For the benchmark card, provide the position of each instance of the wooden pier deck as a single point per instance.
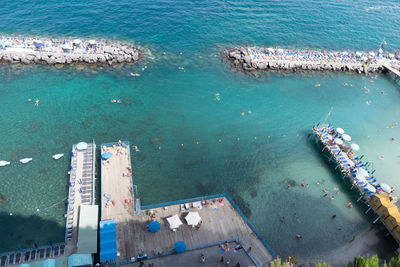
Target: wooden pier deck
(218, 224)
(116, 181)
(81, 191)
(391, 69)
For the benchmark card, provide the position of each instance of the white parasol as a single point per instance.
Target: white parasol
(193, 218)
(338, 141)
(174, 222)
(370, 188)
(355, 147)
(340, 130)
(346, 137)
(386, 188)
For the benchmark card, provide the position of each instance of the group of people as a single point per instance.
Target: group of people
(322, 56)
(51, 45)
(226, 248)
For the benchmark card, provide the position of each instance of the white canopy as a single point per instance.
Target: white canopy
(391, 55)
(363, 172)
(193, 218)
(346, 137)
(386, 188)
(174, 222)
(345, 53)
(92, 42)
(371, 188)
(355, 147)
(372, 54)
(338, 141)
(364, 58)
(81, 146)
(77, 41)
(280, 50)
(340, 130)
(361, 177)
(271, 49)
(358, 54)
(66, 47)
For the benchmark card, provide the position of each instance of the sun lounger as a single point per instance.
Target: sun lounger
(187, 206)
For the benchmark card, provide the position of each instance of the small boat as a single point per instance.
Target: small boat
(57, 156)
(135, 74)
(4, 163)
(25, 160)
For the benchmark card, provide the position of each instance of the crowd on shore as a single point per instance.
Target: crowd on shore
(317, 56)
(76, 46)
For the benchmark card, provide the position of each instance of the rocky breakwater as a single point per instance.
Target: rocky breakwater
(69, 52)
(250, 59)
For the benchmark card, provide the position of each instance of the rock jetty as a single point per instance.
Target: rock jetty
(66, 51)
(250, 59)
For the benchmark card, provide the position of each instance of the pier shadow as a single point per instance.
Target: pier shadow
(24, 231)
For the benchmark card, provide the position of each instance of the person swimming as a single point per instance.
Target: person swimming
(37, 102)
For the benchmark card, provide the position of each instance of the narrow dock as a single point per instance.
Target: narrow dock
(377, 196)
(391, 69)
(81, 189)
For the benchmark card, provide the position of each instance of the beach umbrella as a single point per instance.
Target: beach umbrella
(154, 226)
(386, 188)
(391, 55)
(82, 146)
(66, 47)
(340, 130)
(345, 53)
(355, 147)
(270, 49)
(346, 137)
(174, 222)
(77, 41)
(7, 43)
(364, 58)
(380, 50)
(370, 188)
(361, 178)
(371, 54)
(106, 155)
(193, 218)
(180, 247)
(338, 141)
(363, 172)
(280, 50)
(358, 54)
(92, 42)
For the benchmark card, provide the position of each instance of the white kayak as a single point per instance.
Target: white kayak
(58, 156)
(4, 163)
(25, 160)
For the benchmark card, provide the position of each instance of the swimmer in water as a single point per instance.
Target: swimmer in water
(249, 112)
(37, 102)
(318, 85)
(368, 102)
(242, 113)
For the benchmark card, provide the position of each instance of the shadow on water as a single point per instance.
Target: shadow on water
(21, 231)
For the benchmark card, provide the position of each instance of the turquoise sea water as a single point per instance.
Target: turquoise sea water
(247, 156)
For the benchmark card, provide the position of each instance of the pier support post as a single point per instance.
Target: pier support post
(368, 210)
(377, 219)
(358, 200)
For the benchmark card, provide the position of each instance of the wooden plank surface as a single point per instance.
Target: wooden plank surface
(220, 224)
